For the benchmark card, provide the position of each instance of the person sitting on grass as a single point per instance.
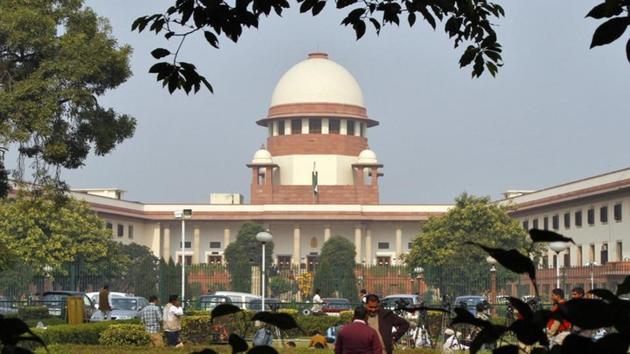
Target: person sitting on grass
(318, 341)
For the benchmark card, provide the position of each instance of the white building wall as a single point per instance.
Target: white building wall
(331, 169)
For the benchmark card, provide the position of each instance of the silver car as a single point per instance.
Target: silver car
(123, 308)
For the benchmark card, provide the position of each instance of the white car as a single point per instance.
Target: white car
(241, 300)
(94, 296)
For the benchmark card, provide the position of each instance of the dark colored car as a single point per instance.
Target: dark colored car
(333, 306)
(470, 302)
(271, 304)
(6, 306)
(56, 301)
(208, 302)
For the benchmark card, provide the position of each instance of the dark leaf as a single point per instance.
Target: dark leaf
(624, 287)
(205, 351)
(206, 83)
(262, 349)
(427, 16)
(521, 307)
(376, 24)
(512, 259)
(237, 343)
(169, 34)
(307, 5)
(411, 18)
(160, 53)
(468, 56)
(547, 236)
(539, 350)
(577, 344)
(318, 7)
(489, 334)
(211, 38)
(628, 50)
(139, 21)
(609, 31)
(506, 349)
(284, 321)
(528, 332)
(604, 10)
(604, 294)
(343, 3)
(222, 309)
(464, 316)
(612, 343)
(588, 313)
(359, 28)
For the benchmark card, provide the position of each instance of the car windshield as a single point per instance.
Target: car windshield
(212, 299)
(122, 303)
(469, 301)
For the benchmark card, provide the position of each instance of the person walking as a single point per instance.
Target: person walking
(150, 317)
(317, 302)
(357, 337)
(389, 326)
(105, 302)
(172, 324)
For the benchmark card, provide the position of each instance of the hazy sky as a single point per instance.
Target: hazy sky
(557, 111)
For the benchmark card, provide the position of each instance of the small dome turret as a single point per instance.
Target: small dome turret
(367, 157)
(262, 156)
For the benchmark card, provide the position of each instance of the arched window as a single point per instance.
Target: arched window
(313, 242)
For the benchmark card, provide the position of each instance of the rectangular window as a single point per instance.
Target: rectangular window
(409, 245)
(215, 244)
(350, 128)
(312, 261)
(187, 244)
(603, 254)
(187, 258)
(296, 126)
(603, 214)
(314, 126)
(578, 218)
(567, 220)
(546, 223)
(567, 259)
(579, 256)
(383, 245)
(526, 225)
(130, 231)
(591, 253)
(121, 230)
(545, 261)
(215, 260)
(619, 252)
(333, 126)
(555, 222)
(109, 226)
(617, 212)
(555, 261)
(281, 127)
(535, 224)
(590, 216)
(284, 262)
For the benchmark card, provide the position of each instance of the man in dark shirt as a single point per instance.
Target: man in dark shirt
(384, 322)
(357, 337)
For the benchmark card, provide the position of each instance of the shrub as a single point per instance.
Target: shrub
(124, 334)
(346, 316)
(33, 312)
(86, 333)
(292, 312)
(196, 329)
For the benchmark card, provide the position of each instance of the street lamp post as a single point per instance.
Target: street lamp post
(419, 272)
(263, 237)
(558, 247)
(183, 215)
(591, 265)
(493, 279)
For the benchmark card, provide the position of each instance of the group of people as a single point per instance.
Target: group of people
(153, 319)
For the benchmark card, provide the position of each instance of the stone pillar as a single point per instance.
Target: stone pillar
(399, 249)
(167, 244)
(156, 244)
(357, 243)
(326, 232)
(325, 126)
(196, 241)
(226, 237)
(305, 126)
(296, 245)
(255, 281)
(368, 246)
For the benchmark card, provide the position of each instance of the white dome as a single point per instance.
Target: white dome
(367, 157)
(262, 156)
(317, 80)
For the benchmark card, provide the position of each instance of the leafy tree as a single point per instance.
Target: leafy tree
(280, 285)
(42, 228)
(449, 263)
(170, 279)
(140, 273)
(244, 253)
(335, 272)
(56, 59)
(465, 21)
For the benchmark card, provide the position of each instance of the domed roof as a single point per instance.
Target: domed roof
(317, 80)
(367, 157)
(262, 156)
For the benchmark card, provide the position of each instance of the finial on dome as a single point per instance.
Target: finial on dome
(262, 146)
(318, 55)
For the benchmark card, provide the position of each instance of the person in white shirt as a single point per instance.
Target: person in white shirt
(317, 302)
(171, 318)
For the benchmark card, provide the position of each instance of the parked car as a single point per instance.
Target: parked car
(123, 308)
(7, 306)
(241, 300)
(94, 296)
(332, 306)
(208, 302)
(396, 302)
(271, 304)
(470, 302)
(56, 301)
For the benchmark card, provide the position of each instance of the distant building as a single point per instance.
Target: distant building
(315, 177)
